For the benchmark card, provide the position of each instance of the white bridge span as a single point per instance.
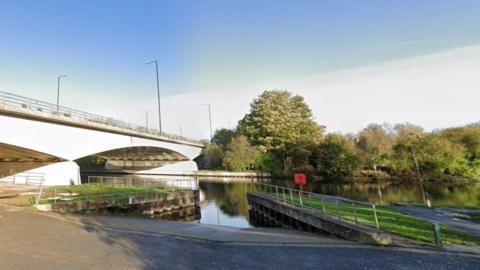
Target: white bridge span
(38, 137)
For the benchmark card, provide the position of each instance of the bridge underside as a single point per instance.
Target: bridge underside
(58, 171)
(140, 158)
(14, 159)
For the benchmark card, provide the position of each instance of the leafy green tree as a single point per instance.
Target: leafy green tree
(409, 139)
(281, 124)
(469, 138)
(211, 157)
(268, 162)
(438, 156)
(336, 157)
(223, 137)
(375, 145)
(240, 155)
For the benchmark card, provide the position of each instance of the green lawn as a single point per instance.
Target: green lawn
(389, 220)
(97, 191)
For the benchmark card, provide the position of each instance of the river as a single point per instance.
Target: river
(225, 203)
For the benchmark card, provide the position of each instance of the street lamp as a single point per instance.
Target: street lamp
(58, 91)
(158, 95)
(146, 119)
(210, 120)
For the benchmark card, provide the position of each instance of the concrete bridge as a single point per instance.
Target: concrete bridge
(39, 137)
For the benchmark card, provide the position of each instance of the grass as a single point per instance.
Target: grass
(389, 220)
(470, 217)
(98, 191)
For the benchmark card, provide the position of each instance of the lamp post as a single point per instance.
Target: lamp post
(158, 96)
(58, 91)
(210, 120)
(146, 119)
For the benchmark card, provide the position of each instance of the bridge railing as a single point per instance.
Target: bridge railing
(38, 107)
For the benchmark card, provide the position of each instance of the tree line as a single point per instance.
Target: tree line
(279, 135)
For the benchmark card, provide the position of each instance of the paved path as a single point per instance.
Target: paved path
(31, 240)
(443, 217)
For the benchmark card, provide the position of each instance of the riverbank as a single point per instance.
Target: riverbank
(91, 242)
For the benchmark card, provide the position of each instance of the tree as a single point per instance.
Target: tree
(240, 155)
(375, 145)
(408, 145)
(336, 157)
(438, 156)
(223, 137)
(211, 157)
(281, 124)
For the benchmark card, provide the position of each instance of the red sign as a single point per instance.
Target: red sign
(300, 179)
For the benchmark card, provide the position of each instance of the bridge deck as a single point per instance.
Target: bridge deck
(32, 109)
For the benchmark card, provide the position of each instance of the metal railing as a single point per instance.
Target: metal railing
(119, 188)
(357, 212)
(123, 181)
(352, 211)
(25, 178)
(36, 107)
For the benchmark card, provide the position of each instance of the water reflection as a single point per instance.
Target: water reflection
(224, 204)
(386, 193)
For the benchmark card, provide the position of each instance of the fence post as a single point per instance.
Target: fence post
(375, 215)
(284, 198)
(355, 213)
(323, 206)
(54, 195)
(437, 234)
(300, 198)
(291, 196)
(276, 191)
(337, 208)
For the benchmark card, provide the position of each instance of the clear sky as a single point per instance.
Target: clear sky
(204, 46)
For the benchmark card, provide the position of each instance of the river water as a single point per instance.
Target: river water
(225, 203)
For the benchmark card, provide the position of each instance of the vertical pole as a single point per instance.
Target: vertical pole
(58, 94)
(355, 213)
(158, 96)
(300, 197)
(284, 199)
(210, 120)
(337, 208)
(291, 196)
(323, 206)
(146, 119)
(54, 195)
(375, 216)
(276, 191)
(437, 234)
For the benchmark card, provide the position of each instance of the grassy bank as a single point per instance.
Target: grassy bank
(84, 192)
(389, 220)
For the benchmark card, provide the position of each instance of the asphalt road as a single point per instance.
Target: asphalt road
(443, 216)
(30, 240)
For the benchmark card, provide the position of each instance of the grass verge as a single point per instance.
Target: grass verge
(389, 220)
(84, 192)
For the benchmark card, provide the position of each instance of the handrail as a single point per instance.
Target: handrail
(36, 107)
(278, 193)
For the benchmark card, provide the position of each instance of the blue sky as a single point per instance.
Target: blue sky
(211, 45)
